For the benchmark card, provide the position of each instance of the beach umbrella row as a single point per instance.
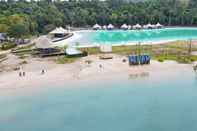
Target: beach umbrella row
(125, 26)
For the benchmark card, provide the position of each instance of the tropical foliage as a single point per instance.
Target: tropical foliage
(19, 18)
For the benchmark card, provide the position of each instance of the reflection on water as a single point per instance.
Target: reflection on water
(138, 75)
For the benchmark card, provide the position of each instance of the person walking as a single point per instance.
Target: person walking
(23, 73)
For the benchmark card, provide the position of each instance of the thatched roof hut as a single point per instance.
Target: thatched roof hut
(43, 43)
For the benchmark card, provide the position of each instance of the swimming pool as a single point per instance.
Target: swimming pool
(120, 37)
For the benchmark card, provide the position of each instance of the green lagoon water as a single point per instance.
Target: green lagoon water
(115, 37)
(157, 102)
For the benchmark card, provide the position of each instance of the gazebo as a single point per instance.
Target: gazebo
(137, 26)
(59, 32)
(110, 27)
(124, 27)
(96, 27)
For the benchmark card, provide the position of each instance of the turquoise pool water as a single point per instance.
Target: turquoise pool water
(117, 37)
(140, 104)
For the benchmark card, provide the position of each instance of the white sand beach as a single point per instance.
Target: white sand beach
(75, 72)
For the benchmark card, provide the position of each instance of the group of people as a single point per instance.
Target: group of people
(22, 74)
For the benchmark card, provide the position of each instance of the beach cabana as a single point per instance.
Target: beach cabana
(110, 27)
(158, 25)
(137, 26)
(96, 27)
(124, 27)
(59, 32)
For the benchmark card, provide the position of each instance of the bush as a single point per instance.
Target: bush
(7, 46)
(66, 59)
(161, 59)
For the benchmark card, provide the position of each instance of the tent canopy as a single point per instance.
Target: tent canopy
(110, 26)
(96, 26)
(137, 26)
(158, 25)
(124, 26)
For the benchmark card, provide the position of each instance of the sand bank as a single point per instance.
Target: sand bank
(78, 71)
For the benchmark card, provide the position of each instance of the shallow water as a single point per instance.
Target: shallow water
(132, 36)
(156, 102)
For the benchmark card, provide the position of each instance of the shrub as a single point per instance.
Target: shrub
(7, 46)
(161, 59)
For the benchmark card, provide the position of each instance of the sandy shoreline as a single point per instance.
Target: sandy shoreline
(79, 71)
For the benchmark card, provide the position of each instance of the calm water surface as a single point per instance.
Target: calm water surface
(137, 104)
(132, 36)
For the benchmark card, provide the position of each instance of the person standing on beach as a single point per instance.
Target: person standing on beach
(42, 72)
(23, 73)
(20, 74)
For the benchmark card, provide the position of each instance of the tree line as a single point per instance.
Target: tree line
(21, 18)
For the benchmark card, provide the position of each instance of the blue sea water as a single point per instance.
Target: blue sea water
(157, 102)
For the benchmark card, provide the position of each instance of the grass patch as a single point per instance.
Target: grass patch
(66, 59)
(8, 45)
(91, 50)
(26, 47)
